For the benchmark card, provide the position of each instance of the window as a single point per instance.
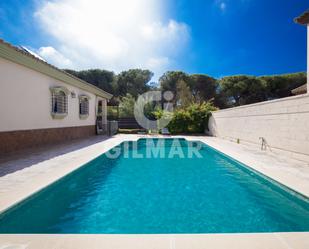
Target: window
(59, 102)
(100, 108)
(83, 106)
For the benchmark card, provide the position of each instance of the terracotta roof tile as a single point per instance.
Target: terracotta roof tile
(303, 18)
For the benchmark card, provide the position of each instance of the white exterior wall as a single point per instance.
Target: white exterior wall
(284, 123)
(25, 100)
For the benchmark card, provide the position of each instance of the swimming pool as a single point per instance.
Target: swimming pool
(160, 186)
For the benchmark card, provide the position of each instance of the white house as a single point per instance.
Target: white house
(41, 104)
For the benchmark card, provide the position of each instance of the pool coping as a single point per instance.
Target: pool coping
(75, 159)
(157, 241)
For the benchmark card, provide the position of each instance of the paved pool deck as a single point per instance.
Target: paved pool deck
(27, 172)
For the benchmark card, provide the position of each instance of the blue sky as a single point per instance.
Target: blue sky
(215, 37)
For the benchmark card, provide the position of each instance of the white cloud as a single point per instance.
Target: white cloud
(223, 6)
(115, 35)
(157, 62)
(54, 57)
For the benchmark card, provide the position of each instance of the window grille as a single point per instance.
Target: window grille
(60, 102)
(59, 107)
(83, 106)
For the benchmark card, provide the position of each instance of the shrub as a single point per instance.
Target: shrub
(192, 119)
(180, 122)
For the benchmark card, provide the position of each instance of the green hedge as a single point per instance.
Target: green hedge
(192, 119)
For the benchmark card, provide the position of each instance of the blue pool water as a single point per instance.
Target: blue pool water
(212, 194)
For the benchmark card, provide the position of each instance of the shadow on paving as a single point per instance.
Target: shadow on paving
(12, 162)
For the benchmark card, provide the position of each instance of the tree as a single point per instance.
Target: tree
(280, 86)
(100, 78)
(226, 92)
(203, 87)
(126, 106)
(133, 82)
(168, 81)
(244, 89)
(221, 100)
(184, 96)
